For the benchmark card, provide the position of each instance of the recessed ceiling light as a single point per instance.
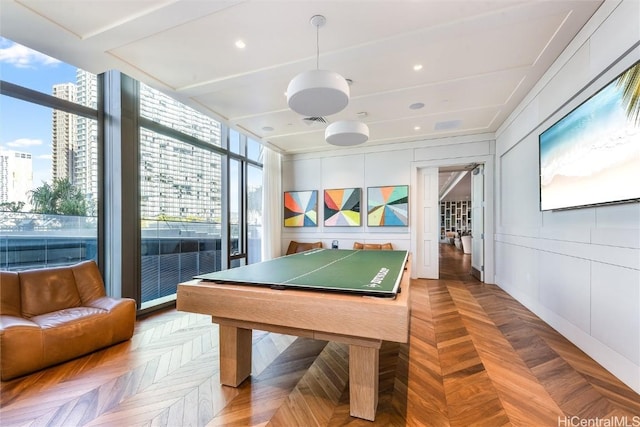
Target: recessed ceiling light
(416, 128)
(416, 105)
(267, 128)
(240, 44)
(417, 67)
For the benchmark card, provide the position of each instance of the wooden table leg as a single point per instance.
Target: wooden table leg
(363, 381)
(235, 355)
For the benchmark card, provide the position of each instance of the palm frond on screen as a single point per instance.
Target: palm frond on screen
(630, 83)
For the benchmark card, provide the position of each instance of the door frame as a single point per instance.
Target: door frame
(489, 230)
(477, 212)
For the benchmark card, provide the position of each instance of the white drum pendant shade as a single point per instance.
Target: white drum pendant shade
(318, 93)
(346, 132)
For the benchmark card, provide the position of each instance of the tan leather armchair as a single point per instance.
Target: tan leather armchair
(373, 246)
(51, 315)
(295, 247)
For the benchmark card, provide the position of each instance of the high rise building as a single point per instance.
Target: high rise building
(86, 157)
(64, 135)
(16, 177)
(178, 180)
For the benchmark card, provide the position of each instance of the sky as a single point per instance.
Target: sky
(26, 127)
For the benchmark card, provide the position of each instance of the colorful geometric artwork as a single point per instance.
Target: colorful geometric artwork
(342, 207)
(388, 206)
(301, 208)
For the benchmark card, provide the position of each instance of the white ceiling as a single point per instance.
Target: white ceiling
(454, 183)
(479, 58)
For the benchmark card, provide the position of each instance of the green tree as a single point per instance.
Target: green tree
(60, 198)
(42, 199)
(630, 83)
(11, 206)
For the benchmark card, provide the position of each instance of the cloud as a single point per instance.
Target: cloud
(23, 57)
(45, 156)
(24, 142)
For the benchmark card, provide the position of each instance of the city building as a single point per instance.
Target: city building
(64, 142)
(85, 176)
(166, 191)
(16, 177)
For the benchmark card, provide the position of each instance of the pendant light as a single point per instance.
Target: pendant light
(346, 132)
(318, 93)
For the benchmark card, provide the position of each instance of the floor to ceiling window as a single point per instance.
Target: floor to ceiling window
(244, 208)
(48, 160)
(185, 195)
(194, 216)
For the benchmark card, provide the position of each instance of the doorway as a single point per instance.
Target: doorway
(472, 218)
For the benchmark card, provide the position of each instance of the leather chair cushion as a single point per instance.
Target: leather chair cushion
(373, 246)
(47, 290)
(81, 329)
(66, 316)
(296, 247)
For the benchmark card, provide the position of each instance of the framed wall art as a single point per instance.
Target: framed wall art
(301, 208)
(342, 207)
(388, 206)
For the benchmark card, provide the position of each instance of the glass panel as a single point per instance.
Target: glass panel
(254, 214)
(34, 70)
(160, 108)
(234, 141)
(254, 150)
(235, 204)
(29, 240)
(239, 262)
(48, 179)
(180, 187)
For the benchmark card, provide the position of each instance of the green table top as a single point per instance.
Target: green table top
(354, 271)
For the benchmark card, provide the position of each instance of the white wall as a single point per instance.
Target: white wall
(350, 169)
(579, 270)
(364, 167)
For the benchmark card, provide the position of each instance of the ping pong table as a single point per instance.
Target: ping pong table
(359, 298)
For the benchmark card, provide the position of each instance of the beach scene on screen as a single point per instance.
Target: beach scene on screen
(592, 155)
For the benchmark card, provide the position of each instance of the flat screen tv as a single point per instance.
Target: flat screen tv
(591, 156)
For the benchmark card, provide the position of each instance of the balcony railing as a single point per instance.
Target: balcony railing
(171, 251)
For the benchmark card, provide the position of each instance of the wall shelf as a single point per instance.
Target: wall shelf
(455, 216)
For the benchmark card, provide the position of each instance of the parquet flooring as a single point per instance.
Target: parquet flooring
(476, 357)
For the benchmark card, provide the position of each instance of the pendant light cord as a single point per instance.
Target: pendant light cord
(317, 47)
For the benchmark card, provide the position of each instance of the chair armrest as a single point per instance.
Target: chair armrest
(122, 314)
(22, 345)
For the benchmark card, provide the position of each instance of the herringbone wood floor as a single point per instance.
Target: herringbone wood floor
(475, 357)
